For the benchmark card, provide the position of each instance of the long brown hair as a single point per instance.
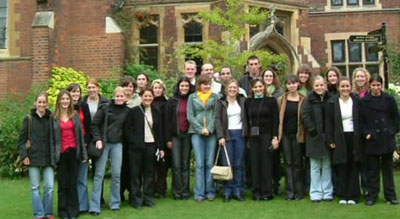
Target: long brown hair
(70, 110)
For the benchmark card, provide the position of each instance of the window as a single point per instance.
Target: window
(337, 2)
(355, 52)
(148, 42)
(352, 2)
(371, 51)
(3, 24)
(368, 2)
(338, 54)
(193, 32)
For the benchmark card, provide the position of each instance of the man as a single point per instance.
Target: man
(254, 71)
(190, 69)
(226, 74)
(208, 69)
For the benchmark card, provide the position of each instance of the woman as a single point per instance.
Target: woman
(262, 118)
(70, 151)
(201, 116)
(332, 76)
(317, 150)
(38, 155)
(360, 80)
(178, 139)
(142, 80)
(231, 128)
(142, 134)
(82, 109)
(305, 74)
(343, 135)
(107, 133)
(272, 83)
(161, 165)
(380, 122)
(291, 134)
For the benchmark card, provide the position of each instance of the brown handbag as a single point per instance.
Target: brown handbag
(222, 172)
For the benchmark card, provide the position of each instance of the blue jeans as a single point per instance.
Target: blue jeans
(204, 151)
(236, 148)
(82, 187)
(42, 207)
(321, 178)
(114, 150)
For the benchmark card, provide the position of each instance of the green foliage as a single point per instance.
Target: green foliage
(107, 86)
(13, 110)
(393, 58)
(61, 77)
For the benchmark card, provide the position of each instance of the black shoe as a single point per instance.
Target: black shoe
(297, 198)
(94, 213)
(256, 197)
(394, 202)
(227, 198)
(177, 197)
(83, 212)
(267, 197)
(149, 204)
(239, 197)
(289, 197)
(115, 209)
(370, 202)
(185, 196)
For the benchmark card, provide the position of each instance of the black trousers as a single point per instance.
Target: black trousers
(375, 164)
(67, 172)
(348, 186)
(161, 173)
(294, 167)
(306, 169)
(141, 171)
(261, 165)
(181, 165)
(277, 171)
(125, 173)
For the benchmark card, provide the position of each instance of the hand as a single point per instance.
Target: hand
(396, 156)
(170, 144)
(26, 161)
(275, 143)
(333, 146)
(205, 132)
(222, 142)
(99, 144)
(368, 137)
(162, 154)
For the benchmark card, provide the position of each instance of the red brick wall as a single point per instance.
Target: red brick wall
(14, 76)
(41, 53)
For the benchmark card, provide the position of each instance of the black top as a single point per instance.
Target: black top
(265, 116)
(290, 120)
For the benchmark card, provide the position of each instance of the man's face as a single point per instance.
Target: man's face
(190, 70)
(226, 74)
(254, 67)
(207, 69)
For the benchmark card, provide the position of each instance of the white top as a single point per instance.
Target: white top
(346, 109)
(234, 116)
(93, 105)
(148, 135)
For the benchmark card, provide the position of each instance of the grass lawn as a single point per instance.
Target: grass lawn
(15, 202)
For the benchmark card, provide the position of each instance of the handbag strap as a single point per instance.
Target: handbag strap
(147, 121)
(226, 155)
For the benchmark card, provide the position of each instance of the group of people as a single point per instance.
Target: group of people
(331, 131)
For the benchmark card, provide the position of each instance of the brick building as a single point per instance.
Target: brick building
(37, 35)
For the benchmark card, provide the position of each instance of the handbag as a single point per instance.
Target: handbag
(222, 172)
(28, 142)
(92, 150)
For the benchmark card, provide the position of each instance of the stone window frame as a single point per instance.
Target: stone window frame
(5, 52)
(346, 6)
(347, 64)
(6, 17)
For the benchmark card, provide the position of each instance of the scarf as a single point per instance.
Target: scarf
(270, 90)
(204, 97)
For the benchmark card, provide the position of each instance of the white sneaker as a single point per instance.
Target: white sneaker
(351, 202)
(343, 202)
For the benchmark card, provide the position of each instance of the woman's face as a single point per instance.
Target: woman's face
(41, 104)
(268, 78)
(258, 88)
(142, 81)
(184, 87)
(332, 77)
(75, 95)
(292, 86)
(158, 90)
(119, 98)
(376, 88)
(129, 90)
(304, 77)
(345, 88)
(360, 78)
(205, 87)
(319, 87)
(93, 90)
(233, 89)
(65, 101)
(147, 98)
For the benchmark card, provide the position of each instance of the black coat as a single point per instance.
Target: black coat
(102, 100)
(335, 133)
(133, 129)
(41, 152)
(160, 103)
(171, 127)
(380, 118)
(313, 114)
(221, 121)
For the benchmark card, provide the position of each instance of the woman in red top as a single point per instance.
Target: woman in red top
(70, 151)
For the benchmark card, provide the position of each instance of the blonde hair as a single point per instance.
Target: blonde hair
(356, 88)
(119, 89)
(317, 78)
(161, 83)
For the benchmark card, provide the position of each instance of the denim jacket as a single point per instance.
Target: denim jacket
(198, 113)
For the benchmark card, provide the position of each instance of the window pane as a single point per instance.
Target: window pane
(352, 2)
(3, 3)
(338, 51)
(254, 29)
(371, 51)
(148, 34)
(355, 52)
(336, 2)
(351, 69)
(3, 12)
(368, 2)
(342, 69)
(193, 32)
(149, 56)
(373, 69)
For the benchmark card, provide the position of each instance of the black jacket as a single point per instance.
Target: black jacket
(313, 114)
(265, 117)
(134, 128)
(102, 100)
(81, 152)
(171, 127)
(380, 118)
(221, 121)
(335, 133)
(245, 82)
(116, 118)
(41, 152)
(160, 103)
